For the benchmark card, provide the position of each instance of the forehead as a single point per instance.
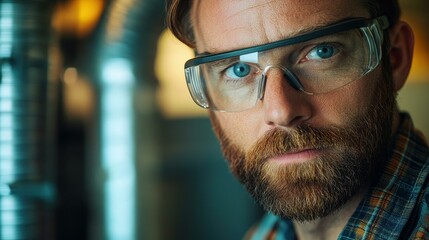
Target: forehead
(222, 25)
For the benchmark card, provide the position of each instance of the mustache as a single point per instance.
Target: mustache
(277, 141)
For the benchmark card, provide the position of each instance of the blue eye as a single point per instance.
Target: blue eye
(322, 52)
(238, 70)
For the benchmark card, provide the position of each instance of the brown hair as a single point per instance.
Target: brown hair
(178, 20)
(178, 16)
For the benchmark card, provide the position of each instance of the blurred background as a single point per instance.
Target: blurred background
(99, 138)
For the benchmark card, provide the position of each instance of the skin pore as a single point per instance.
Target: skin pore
(222, 25)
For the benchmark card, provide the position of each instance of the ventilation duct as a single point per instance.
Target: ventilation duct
(26, 121)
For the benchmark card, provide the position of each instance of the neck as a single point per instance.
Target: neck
(329, 227)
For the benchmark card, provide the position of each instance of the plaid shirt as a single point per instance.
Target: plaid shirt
(395, 208)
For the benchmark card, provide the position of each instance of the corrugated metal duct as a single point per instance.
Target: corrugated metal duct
(26, 121)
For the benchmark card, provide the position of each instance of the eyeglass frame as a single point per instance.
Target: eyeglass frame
(345, 25)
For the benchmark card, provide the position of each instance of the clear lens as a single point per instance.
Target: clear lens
(316, 66)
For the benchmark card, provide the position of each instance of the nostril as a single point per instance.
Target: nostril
(287, 117)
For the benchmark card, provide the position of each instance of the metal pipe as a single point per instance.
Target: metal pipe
(26, 114)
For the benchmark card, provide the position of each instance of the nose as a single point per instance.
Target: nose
(284, 105)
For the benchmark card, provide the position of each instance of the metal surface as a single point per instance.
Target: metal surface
(25, 119)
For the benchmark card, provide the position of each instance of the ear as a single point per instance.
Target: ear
(401, 52)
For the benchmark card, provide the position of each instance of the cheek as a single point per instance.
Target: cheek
(240, 128)
(351, 101)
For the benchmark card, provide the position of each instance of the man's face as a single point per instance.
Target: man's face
(300, 156)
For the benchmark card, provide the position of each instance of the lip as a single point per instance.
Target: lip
(299, 156)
